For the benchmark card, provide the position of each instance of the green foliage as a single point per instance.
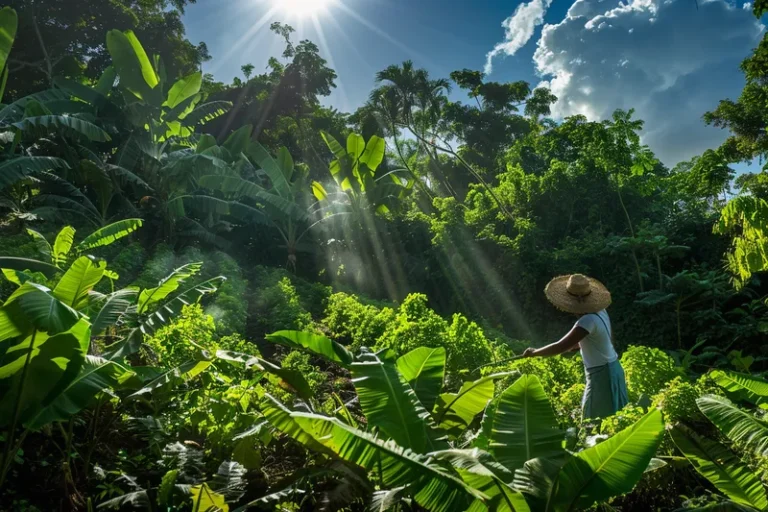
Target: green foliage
(279, 307)
(558, 375)
(647, 371)
(351, 322)
(678, 401)
(181, 340)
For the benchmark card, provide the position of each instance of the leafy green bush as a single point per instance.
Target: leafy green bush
(621, 420)
(128, 262)
(568, 405)
(278, 307)
(182, 339)
(647, 370)
(230, 304)
(678, 400)
(353, 323)
(558, 375)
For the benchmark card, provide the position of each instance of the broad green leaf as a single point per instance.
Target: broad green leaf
(319, 191)
(482, 473)
(165, 491)
(53, 361)
(738, 425)
(9, 326)
(280, 417)
(423, 368)
(239, 140)
(432, 486)
(16, 169)
(109, 234)
(391, 405)
(172, 378)
(374, 153)
(106, 81)
(23, 264)
(232, 186)
(206, 112)
(74, 286)
(132, 64)
(285, 161)
(111, 309)
(168, 285)
(355, 146)
(333, 145)
(316, 343)
(147, 70)
(63, 244)
(740, 385)
(454, 412)
(206, 141)
(263, 159)
(609, 468)
(294, 379)
(34, 303)
(8, 24)
(43, 247)
(205, 500)
(64, 125)
(519, 425)
(96, 375)
(183, 89)
(721, 467)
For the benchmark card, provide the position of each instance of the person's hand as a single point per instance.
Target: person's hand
(529, 352)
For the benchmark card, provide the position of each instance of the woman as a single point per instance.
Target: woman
(606, 390)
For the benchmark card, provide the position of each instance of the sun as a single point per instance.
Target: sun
(303, 8)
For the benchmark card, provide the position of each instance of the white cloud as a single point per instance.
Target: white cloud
(664, 58)
(518, 29)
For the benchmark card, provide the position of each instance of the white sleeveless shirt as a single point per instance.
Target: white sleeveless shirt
(597, 348)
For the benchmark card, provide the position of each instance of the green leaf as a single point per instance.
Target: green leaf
(285, 161)
(232, 186)
(423, 368)
(355, 146)
(519, 425)
(96, 375)
(27, 264)
(316, 343)
(280, 418)
(43, 247)
(206, 112)
(239, 140)
(106, 81)
(64, 125)
(36, 304)
(168, 285)
(264, 160)
(742, 386)
(609, 468)
(112, 309)
(374, 153)
(147, 70)
(183, 89)
(74, 286)
(432, 486)
(134, 68)
(721, 467)
(16, 169)
(109, 234)
(333, 145)
(739, 426)
(8, 24)
(319, 191)
(454, 412)
(391, 405)
(206, 141)
(205, 500)
(165, 491)
(482, 473)
(63, 244)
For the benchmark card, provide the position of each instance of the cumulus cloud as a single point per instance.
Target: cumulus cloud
(518, 30)
(664, 58)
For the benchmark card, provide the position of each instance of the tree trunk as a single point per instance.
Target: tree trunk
(632, 234)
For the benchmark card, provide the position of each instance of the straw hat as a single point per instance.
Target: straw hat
(578, 294)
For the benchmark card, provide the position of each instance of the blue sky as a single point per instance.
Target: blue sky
(664, 57)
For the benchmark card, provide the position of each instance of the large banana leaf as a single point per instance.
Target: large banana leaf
(109, 234)
(519, 425)
(261, 156)
(96, 375)
(63, 243)
(742, 386)
(391, 405)
(609, 468)
(8, 24)
(172, 378)
(43, 247)
(374, 153)
(167, 285)
(34, 303)
(454, 412)
(424, 368)
(237, 142)
(22, 264)
(292, 378)
(183, 89)
(232, 186)
(478, 470)
(432, 486)
(280, 418)
(205, 500)
(132, 64)
(111, 308)
(315, 343)
(737, 424)
(63, 125)
(16, 169)
(74, 286)
(206, 112)
(52, 362)
(721, 467)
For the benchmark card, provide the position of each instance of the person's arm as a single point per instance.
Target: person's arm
(566, 343)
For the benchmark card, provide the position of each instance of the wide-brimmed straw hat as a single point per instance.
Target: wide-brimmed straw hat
(577, 293)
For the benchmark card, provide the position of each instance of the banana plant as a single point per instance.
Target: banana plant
(717, 462)
(515, 461)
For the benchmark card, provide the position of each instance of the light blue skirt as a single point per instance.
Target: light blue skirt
(606, 391)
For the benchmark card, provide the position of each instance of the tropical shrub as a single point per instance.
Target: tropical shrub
(678, 401)
(278, 307)
(557, 374)
(647, 370)
(354, 323)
